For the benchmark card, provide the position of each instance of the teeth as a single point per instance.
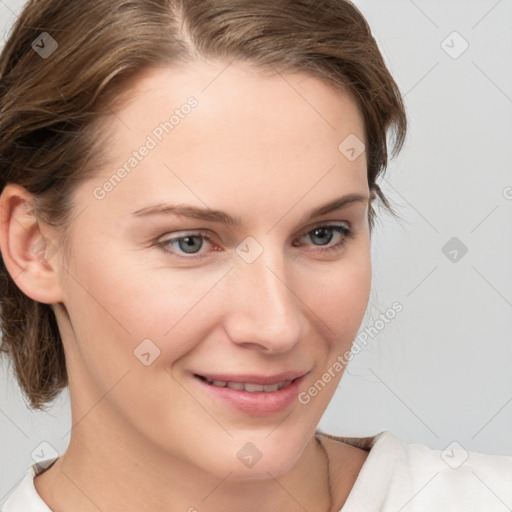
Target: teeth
(236, 385)
(253, 387)
(247, 386)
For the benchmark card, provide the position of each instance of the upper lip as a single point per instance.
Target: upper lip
(254, 379)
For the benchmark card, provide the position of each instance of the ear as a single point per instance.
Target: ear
(29, 254)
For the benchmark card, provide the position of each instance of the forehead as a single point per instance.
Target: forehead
(226, 84)
(248, 129)
(238, 95)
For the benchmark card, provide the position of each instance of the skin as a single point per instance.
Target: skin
(258, 146)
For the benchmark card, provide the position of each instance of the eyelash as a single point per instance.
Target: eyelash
(340, 228)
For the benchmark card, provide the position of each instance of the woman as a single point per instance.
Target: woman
(186, 211)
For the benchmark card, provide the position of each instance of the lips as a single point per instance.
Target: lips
(222, 379)
(253, 394)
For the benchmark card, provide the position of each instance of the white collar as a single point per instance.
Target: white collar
(25, 496)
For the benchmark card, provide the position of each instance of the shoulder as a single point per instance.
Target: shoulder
(25, 498)
(458, 478)
(396, 474)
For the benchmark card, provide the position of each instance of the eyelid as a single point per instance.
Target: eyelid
(324, 224)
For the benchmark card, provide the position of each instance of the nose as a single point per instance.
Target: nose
(264, 310)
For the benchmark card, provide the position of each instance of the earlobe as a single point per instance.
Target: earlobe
(29, 254)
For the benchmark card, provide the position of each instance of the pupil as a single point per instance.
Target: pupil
(189, 244)
(323, 240)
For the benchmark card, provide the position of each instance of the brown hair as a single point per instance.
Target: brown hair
(50, 108)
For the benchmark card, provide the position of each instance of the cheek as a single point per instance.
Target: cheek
(117, 301)
(339, 296)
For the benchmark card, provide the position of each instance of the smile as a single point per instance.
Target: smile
(252, 394)
(247, 386)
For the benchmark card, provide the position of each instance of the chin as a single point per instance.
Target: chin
(256, 460)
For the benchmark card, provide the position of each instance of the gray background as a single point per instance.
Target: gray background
(440, 371)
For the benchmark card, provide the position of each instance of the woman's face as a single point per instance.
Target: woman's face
(154, 299)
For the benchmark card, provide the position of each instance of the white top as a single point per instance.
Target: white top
(395, 476)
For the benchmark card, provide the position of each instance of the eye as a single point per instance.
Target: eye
(324, 235)
(191, 243)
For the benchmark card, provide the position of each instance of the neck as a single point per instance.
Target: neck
(111, 469)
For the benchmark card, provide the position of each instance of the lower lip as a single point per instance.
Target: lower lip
(257, 403)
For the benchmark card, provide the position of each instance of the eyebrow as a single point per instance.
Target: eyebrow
(220, 216)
